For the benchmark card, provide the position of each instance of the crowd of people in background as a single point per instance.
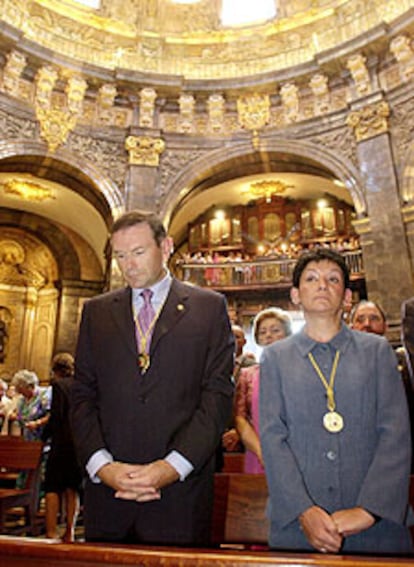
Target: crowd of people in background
(241, 268)
(278, 249)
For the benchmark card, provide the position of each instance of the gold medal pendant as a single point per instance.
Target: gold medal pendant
(333, 422)
(144, 361)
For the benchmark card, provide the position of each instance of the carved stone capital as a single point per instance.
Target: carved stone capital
(144, 150)
(369, 121)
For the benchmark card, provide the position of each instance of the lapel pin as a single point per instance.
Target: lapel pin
(180, 307)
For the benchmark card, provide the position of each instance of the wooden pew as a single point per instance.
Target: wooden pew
(30, 552)
(239, 512)
(233, 462)
(20, 456)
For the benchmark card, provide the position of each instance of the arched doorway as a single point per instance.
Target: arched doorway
(300, 170)
(54, 218)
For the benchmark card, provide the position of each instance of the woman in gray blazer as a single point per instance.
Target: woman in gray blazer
(334, 427)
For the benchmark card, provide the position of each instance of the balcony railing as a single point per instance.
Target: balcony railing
(264, 272)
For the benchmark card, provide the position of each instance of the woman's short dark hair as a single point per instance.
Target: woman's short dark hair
(63, 364)
(317, 255)
(135, 217)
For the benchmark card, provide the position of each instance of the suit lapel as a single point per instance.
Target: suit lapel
(175, 307)
(122, 313)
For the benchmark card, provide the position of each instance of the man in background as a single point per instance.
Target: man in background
(368, 317)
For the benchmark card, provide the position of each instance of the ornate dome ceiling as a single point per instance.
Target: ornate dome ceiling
(141, 66)
(169, 40)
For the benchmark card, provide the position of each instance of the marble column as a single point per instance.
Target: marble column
(383, 239)
(142, 178)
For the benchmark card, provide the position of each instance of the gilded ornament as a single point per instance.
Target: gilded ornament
(370, 121)
(253, 111)
(267, 188)
(56, 122)
(55, 126)
(26, 190)
(144, 150)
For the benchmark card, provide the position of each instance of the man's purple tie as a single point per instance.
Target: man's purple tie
(146, 315)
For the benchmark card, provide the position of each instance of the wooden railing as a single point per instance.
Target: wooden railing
(263, 272)
(23, 552)
(239, 505)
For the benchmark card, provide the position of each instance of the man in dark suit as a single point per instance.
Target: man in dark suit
(407, 334)
(151, 401)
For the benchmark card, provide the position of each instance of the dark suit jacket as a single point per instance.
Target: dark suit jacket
(181, 403)
(407, 334)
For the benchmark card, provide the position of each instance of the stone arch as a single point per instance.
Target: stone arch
(65, 168)
(42, 229)
(272, 155)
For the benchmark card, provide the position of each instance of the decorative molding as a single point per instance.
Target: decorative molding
(360, 74)
(13, 70)
(161, 37)
(216, 113)
(146, 107)
(186, 123)
(321, 94)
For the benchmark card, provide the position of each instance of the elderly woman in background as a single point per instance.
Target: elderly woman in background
(33, 406)
(269, 325)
